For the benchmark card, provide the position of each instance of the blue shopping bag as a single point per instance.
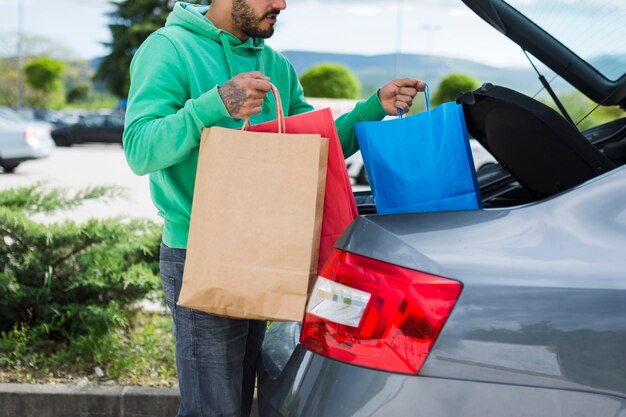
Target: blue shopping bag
(421, 162)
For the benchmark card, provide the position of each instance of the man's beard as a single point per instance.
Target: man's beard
(244, 17)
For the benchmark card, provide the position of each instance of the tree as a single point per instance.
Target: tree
(78, 93)
(330, 81)
(131, 23)
(452, 85)
(44, 76)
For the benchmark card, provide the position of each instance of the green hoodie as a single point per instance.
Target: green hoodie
(173, 96)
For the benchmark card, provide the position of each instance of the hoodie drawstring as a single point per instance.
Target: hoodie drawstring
(229, 59)
(228, 52)
(266, 100)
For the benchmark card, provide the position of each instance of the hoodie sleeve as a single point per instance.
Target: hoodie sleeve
(163, 124)
(364, 111)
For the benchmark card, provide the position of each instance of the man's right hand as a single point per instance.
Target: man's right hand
(243, 94)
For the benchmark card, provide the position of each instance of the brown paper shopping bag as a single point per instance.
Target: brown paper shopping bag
(255, 223)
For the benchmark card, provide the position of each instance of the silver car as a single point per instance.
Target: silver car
(22, 140)
(518, 309)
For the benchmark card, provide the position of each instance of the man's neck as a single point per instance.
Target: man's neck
(221, 19)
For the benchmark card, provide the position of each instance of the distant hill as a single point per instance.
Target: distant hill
(374, 70)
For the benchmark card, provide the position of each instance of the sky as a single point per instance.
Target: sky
(437, 27)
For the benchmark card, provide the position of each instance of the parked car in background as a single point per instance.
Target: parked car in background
(356, 169)
(67, 117)
(104, 128)
(516, 310)
(22, 140)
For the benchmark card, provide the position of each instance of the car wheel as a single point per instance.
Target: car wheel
(63, 141)
(9, 168)
(362, 177)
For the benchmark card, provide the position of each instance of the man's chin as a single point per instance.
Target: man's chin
(262, 33)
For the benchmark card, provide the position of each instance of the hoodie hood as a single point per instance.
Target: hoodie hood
(192, 17)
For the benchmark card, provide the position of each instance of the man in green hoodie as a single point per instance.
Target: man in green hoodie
(209, 66)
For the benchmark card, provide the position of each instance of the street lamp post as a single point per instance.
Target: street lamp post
(20, 59)
(399, 18)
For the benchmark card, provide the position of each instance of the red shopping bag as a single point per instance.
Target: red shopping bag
(339, 205)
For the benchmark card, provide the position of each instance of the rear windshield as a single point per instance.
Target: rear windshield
(595, 30)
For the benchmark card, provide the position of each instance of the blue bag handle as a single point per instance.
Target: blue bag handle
(426, 98)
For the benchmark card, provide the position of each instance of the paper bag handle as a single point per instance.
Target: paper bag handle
(280, 114)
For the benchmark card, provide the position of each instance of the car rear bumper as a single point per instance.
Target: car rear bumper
(11, 161)
(309, 385)
(26, 152)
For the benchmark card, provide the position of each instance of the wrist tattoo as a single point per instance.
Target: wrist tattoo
(233, 96)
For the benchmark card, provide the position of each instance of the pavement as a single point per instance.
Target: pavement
(84, 399)
(83, 166)
(88, 165)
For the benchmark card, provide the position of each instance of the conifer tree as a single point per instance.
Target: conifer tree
(131, 23)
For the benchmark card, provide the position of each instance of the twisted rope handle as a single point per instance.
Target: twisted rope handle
(426, 97)
(280, 113)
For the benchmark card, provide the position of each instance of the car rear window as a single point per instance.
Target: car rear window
(592, 29)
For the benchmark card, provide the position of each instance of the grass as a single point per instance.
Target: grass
(139, 354)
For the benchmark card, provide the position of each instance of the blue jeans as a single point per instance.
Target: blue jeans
(216, 357)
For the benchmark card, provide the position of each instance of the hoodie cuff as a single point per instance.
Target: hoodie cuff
(371, 110)
(209, 108)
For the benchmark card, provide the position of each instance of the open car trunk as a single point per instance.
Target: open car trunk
(540, 154)
(543, 153)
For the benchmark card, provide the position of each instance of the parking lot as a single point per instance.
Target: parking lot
(88, 165)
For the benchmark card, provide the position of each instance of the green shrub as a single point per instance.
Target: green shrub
(67, 289)
(452, 85)
(77, 94)
(330, 81)
(44, 76)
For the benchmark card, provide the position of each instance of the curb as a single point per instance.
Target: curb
(83, 399)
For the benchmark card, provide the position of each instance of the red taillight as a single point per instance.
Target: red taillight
(374, 314)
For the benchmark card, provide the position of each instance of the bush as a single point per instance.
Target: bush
(78, 93)
(452, 85)
(68, 289)
(44, 76)
(330, 81)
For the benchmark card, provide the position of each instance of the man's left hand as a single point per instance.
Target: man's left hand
(399, 94)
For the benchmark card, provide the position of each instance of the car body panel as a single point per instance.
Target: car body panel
(314, 386)
(104, 128)
(484, 245)
(541, 320)
(563, 338)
